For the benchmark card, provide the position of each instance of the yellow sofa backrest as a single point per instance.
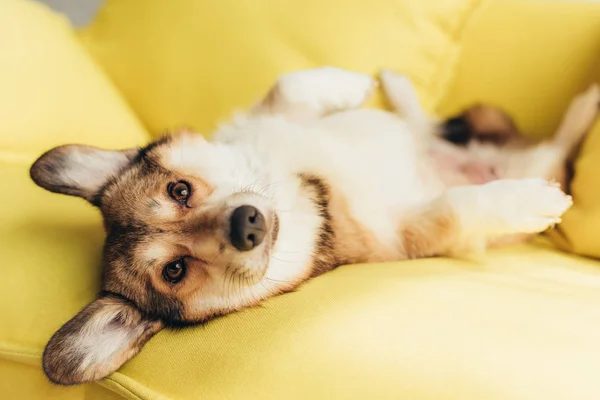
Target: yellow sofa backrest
(192, 63)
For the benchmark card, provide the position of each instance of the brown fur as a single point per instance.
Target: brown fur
(429, 232)
(492, 124)
(342, 240)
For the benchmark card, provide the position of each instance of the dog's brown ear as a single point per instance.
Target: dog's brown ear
(482, 122)
(97, 341)
(79, 170)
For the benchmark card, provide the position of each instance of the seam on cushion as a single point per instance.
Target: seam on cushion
(129, 387)
(17, 158)
(20, 354)
(117, 382)
(118, 388)
(448, 67)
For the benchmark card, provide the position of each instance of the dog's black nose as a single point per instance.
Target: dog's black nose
(248, 228)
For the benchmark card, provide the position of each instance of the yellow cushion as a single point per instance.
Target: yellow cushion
(51, 93)
(520, 323)
(529, 57)
(51, 247)
(580, 230)
(21, 381)
(532, 63)
(192, 62)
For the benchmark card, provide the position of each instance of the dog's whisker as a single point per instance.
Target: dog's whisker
(286, 261)
(241, 289)
(252, 294)
(269, 290)
(271, 185)
(230, 283)
(225, 277)
(277, 281)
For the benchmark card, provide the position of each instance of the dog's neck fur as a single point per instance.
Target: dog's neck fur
(341, 239)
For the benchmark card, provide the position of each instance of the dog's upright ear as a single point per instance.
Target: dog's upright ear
(79, 170)
(97, 341)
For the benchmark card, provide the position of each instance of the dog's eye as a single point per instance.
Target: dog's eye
(175, 271)
(179, 191)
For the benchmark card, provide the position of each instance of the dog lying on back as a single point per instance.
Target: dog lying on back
(303, 182)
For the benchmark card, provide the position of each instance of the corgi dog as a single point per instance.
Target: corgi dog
(301, 183)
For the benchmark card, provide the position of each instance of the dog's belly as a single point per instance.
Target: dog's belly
(373, 160)
(457, 166)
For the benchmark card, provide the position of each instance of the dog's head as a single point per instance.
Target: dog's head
(181, 228)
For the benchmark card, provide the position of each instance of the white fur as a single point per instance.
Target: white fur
(338, 91)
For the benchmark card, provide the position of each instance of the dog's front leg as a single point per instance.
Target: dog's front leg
(309, 94)
(469, 218)
(404, 100)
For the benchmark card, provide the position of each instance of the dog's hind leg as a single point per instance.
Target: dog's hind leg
(469, 218)
(309, 94)
(578, 119)
(550, 158)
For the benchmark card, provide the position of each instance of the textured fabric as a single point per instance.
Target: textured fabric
(22, 381)
(51, 93)
(192, 62)
(520, 323)
(51, 245)
(529, 57)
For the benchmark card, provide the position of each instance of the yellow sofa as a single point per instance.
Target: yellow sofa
(519, 323)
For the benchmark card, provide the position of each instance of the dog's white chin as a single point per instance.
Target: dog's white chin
(253, 271)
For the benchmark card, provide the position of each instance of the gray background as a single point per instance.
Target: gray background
(80, 12)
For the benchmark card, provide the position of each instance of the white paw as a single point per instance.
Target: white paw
(506, 207)
(327, 88)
